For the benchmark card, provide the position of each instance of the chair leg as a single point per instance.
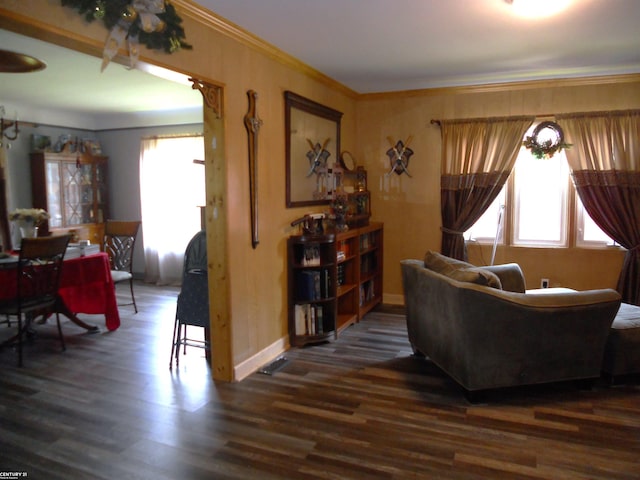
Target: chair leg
(207, 347)
(175, 345)
(184, 344)
(133, 298)
(19, 340)
(64, 347)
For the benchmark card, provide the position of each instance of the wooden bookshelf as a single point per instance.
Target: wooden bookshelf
(312, 289)
(338, 275)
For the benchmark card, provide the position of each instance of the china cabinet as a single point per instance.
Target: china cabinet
(72, 187)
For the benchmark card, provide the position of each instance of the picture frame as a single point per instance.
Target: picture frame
(40, 143)
(312, 142)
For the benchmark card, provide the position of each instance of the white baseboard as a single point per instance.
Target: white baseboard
(392, 299)
(252, 364)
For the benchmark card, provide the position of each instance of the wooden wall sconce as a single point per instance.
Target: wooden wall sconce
(399, 155)
(252, 123)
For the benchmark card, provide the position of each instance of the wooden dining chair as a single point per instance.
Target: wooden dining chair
(37, 282)
(119, 243)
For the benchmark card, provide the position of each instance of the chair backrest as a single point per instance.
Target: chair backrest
(195, 256)
(193, 300)
(119, 242)
(39, 267)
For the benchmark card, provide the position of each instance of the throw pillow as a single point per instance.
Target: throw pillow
(478, 276)
(461, 271)
(442, 264)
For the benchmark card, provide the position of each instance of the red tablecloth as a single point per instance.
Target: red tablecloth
(86, 286)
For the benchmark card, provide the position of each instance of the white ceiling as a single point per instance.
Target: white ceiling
(367, 45)
(71, 91)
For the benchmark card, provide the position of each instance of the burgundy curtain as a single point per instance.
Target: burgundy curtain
(477, 158)
(605, 164)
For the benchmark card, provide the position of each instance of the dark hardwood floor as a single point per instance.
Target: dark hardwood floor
(359, 408)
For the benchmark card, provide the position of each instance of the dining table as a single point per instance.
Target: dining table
(85, 287)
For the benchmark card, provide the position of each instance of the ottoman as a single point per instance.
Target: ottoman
(622, 350)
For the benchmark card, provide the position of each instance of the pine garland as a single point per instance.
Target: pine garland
(169, 38)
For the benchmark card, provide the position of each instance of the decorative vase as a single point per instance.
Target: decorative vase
(28, 229)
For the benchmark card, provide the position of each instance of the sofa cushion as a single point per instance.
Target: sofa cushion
(460, 271)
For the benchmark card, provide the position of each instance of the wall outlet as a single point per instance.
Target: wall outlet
(544, 283)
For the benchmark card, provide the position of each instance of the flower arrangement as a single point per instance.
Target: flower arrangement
(28, 215)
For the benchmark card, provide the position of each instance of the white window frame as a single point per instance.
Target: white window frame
(583, 221)
(518, 239)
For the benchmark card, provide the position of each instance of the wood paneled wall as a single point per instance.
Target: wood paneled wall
(410, 207)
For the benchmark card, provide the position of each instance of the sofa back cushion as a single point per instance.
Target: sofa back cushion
(460, 271)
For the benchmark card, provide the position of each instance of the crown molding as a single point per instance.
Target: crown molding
(507, 87)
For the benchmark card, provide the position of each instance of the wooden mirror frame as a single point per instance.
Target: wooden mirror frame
(307, 121)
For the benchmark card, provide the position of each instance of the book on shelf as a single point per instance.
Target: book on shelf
(309, 319)
(319, 319)
(341, 274)
(364, 241)
(325, 286)
(309, 285)
(300, 319)
(367, 292)
(343, 248)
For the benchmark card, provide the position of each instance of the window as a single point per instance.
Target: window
(540, 208)
(535, 208)
(588, 233)
(172, 189)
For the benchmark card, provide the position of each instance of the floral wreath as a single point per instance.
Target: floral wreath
(154, 23)
(545, 149)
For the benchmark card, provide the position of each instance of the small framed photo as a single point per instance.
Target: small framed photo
(40, 143)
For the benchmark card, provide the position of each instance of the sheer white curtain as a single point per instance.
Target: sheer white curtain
(172, 188)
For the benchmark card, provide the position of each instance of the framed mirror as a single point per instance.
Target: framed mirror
(312, 147)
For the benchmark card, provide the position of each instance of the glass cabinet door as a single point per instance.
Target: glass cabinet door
(73, 189)
(101, 191)
(71, 193)
(54, 204)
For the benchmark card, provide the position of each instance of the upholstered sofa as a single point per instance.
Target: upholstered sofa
(481, 327)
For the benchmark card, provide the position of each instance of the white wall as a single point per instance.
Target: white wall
(122, 146)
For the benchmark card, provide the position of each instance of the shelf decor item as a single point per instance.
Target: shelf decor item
(547, 140)
(252, 124)
(399, 155)
(154, 23)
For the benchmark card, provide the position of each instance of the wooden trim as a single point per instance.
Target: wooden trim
(506, 87)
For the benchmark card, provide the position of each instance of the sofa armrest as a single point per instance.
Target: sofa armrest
(510, 275)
